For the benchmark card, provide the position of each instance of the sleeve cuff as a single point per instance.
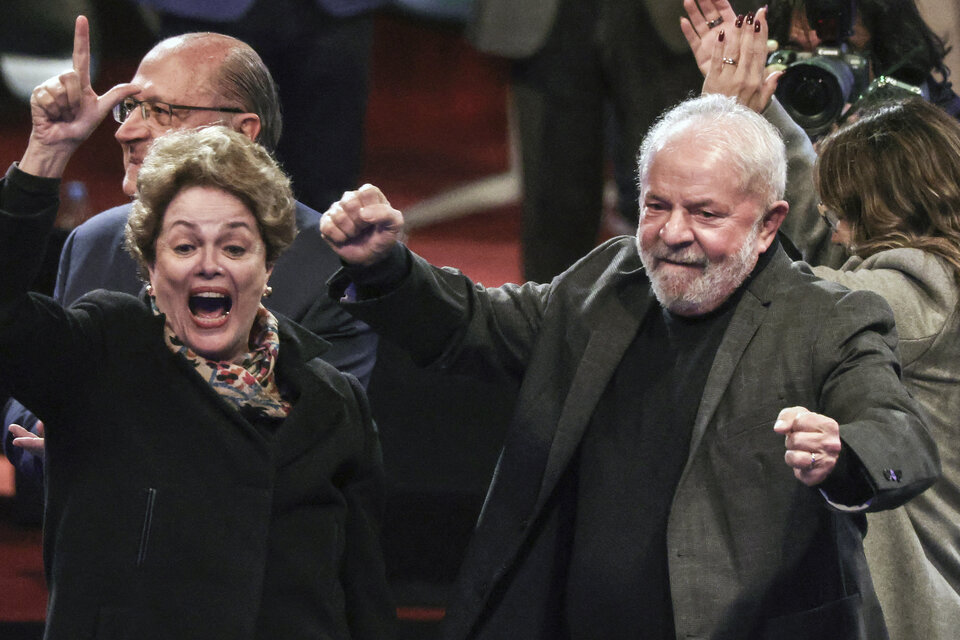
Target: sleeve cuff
(848, 487)
(376, 280)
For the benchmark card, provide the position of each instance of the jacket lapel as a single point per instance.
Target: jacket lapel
(621, 316)
(318, 407)
(747, 318)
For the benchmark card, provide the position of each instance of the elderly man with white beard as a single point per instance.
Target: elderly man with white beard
(701, 423)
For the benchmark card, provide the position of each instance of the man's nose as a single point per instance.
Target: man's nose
(676, 229)
(133, 128)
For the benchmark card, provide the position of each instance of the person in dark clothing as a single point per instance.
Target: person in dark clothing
(223, 80)
(701, 424)
(208, 476)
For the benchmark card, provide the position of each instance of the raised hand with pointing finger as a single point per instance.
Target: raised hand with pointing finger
(65, 110)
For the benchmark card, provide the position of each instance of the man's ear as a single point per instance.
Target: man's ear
(248, 124)
(772, 220)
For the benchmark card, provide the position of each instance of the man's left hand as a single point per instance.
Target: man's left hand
(812, 442)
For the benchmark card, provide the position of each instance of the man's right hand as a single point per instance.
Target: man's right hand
(32, 442)
(362, 227)
(65, 110)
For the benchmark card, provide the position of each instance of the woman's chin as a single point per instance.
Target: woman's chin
(211, 348)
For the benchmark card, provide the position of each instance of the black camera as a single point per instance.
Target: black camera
(815, 87)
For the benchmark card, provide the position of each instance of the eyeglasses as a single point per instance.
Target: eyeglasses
(161, 112)
(829, 216)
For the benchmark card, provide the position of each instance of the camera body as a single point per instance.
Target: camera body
(815, 87)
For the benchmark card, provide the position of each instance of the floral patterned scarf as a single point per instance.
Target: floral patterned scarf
(250, 384)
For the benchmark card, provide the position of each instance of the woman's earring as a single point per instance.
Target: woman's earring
(149, 289)
(268, 291)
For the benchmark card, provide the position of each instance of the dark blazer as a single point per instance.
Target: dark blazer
(753, 553)
(94, 258)
(169, 515)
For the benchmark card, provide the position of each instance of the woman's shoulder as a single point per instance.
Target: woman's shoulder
(920, 287)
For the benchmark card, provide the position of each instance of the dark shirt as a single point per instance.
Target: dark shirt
(631, 459)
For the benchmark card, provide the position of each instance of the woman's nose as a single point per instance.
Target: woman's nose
(209, 263)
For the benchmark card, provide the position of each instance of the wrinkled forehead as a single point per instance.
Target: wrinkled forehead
(687, 146)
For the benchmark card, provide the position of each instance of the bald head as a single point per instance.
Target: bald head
(230, 70)
(221, 78)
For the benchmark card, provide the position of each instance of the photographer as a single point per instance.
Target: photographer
(889, 34)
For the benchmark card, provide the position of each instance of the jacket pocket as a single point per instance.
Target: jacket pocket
(841, 618)
(150, 497)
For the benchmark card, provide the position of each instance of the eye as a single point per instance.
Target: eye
(182, 249)
(235, 251)
(160, 110)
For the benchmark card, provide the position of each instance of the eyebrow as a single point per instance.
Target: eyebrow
(237, 224)
(703, 202)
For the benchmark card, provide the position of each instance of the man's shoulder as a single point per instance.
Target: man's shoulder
(615, 256)
(795, 285)
(104, 225)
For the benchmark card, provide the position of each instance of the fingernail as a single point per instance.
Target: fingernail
(756, 27)
(720, 36)
(740, 19)
(777, 424)
(750, 18)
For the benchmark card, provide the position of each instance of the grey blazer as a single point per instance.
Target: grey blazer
(518, 28)
(752, 552)
(914, 551)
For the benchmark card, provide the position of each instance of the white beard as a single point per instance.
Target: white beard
(693, 295)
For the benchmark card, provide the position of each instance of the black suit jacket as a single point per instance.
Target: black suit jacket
(169, 515)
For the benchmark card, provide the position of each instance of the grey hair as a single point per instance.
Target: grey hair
(245, 78)
(728, 130)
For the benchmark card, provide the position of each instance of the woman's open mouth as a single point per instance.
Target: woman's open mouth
(210, 308)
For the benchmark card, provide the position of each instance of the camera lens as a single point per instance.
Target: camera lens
(814, 92)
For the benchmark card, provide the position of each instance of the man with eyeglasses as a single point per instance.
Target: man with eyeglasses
(193, 80)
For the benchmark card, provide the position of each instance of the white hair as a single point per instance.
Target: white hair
(732, 133)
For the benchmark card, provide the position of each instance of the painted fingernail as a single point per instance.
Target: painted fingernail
(740, 19)
(756, 27)
(750, 18)
(720, 36)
